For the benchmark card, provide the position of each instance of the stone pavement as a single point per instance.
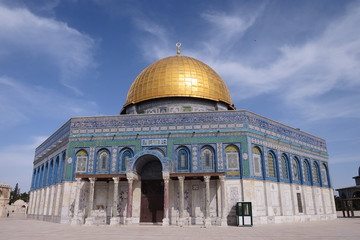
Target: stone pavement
(15, 227)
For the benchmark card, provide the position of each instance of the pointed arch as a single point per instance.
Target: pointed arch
(207, 158)
(125, 155)
(295, 169)
(324, 174)
(46, 171)
(103, 158)
(56, 170)
(316, 173)
(232, 155)
(270, 162)
(183, 158)
(50, 175)
(62, 167)
(81, 161)
(257, 161)
(285, 173)
(165, 162)
(307, 175)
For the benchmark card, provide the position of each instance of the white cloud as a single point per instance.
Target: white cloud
(16, 162)
(22, 32)
(158, 45)
(304, 75)
(319, 77)
(20, 102)
(227, 28)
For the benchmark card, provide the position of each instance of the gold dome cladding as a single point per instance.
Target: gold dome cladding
(178, 76)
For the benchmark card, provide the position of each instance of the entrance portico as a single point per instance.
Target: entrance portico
(145, 195)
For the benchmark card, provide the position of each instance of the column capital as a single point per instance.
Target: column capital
(116, 179)
(166, 175)
(207, 178)
(130, 180)
(132, 175)
(92, 180)
(222, 178)
(182, 178)
(78, 180)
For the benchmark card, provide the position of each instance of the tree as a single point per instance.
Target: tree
(16, 195)
(25, 196)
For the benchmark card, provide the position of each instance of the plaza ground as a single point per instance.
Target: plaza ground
(18, 227)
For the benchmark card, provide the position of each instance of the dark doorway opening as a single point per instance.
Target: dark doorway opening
(152, 201)
(152, 190)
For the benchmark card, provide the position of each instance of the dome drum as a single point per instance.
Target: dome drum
(175, 105)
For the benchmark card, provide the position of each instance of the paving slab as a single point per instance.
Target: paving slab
(18, 228)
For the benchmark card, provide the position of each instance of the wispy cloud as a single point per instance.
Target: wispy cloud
(22, 32)
(20, 102)
(227, 28)
(317, 77)
(157, 44)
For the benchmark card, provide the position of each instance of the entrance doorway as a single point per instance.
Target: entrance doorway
(152, 201)
(152, 189)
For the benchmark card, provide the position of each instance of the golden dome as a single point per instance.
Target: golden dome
(178, 76)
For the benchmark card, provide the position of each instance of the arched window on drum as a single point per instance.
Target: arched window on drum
(183, 157)
(285, 167)
(316, 178)
(257, 161)
(81, 161)
(50, 176)
(232, 157)
(271, 164)
(103, 160)
(125, 157)
(207, 158)
(307, 172)
(295, 169)
(46, 171)
(324, 174)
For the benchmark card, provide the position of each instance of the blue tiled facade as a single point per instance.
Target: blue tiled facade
(191, 131)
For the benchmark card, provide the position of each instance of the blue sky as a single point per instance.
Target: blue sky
(296, 62)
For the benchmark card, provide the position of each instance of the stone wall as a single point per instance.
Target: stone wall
(4, 198)
(272, 202)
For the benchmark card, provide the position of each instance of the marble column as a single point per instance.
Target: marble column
(37, 203)
(115, 219)
(32, 202)
(57, 202)
(42, 201)
(166, 177)
(51, 200)
(181, 201)
(223, 203)
(207, 221)
(129, 200)
(46, 201)
(90, 219)
(77, 219)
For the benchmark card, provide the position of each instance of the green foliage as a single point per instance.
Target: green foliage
(16, 195)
